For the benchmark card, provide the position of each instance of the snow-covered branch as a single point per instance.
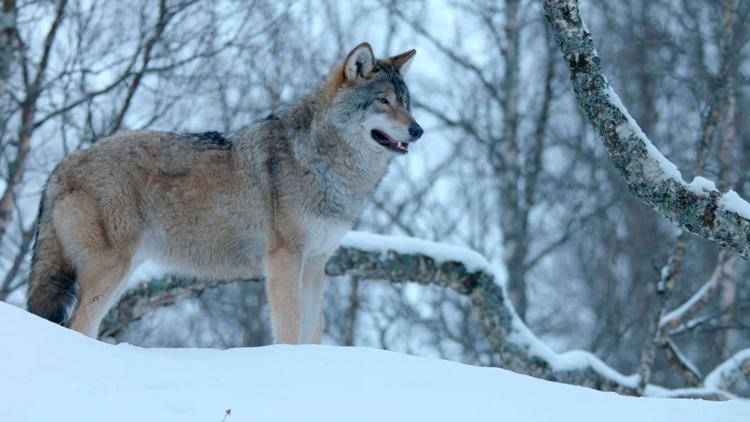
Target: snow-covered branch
(152, 295)
(401, 259)
(681, 364)
(697, 207)
(730, 371)
(678, 316)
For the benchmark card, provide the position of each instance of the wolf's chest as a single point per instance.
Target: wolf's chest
(325, 234)
(331, 197)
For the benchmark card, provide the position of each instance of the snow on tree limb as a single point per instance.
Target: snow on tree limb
(678, 316)
(152, 295)
(399, 259)
(730, 371)
(706, 212)
(681, 364)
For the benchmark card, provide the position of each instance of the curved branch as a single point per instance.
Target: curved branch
(698, 207)
(681, 364)
(391, 260)
(399, 259)
(730, 371)
(161, 23)
(152, 295)
(677, 317)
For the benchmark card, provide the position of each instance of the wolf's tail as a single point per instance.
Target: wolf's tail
(52, 286)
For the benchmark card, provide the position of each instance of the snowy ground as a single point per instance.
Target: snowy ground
(48, 373)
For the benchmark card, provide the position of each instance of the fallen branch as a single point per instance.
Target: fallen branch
(152, 295)
(697, 207)
(399, 259)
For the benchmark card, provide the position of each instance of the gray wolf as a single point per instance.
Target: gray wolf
(273, 198)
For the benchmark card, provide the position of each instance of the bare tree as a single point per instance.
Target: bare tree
(93, 86)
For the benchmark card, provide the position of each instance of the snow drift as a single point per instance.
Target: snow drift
(49, 373)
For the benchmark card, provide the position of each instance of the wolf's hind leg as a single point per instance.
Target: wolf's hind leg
(101, 255)
(101, 281)
(313, 280)
(283, 287)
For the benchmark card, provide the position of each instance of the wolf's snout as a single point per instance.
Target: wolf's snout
(415, 131)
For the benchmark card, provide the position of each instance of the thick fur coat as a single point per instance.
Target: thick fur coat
(275, 197)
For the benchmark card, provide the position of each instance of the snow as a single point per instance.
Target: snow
(440, 252)
(681, 393)
(473, 261)
(682, 358)
(521, 335)
(567, 361)
(667, 168)
(51, 373)
(716, 377)
(701, 186)
(733, 202)
(730, 201)
(682, 309)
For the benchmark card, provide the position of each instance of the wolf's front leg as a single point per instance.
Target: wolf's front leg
(283, 288)
(313, 279)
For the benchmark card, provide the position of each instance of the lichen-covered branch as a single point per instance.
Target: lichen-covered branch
(152, 295)
(513, 342)
(701, 210)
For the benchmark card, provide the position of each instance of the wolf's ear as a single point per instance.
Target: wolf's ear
(402, 62)
(359, 63)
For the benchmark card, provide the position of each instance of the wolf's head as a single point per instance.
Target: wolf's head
(370, 101)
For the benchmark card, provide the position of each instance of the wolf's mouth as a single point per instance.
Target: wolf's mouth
(383, 139)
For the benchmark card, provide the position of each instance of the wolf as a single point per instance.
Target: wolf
(274, 198)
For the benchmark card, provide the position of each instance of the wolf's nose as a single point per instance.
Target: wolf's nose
(415, 131)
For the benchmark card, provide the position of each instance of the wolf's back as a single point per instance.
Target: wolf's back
(52, 285)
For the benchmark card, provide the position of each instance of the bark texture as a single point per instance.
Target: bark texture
(647, 174)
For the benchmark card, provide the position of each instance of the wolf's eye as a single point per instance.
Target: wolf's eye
(383, 100)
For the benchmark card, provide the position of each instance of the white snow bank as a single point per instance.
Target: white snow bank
(53, 374)
(440, 252)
